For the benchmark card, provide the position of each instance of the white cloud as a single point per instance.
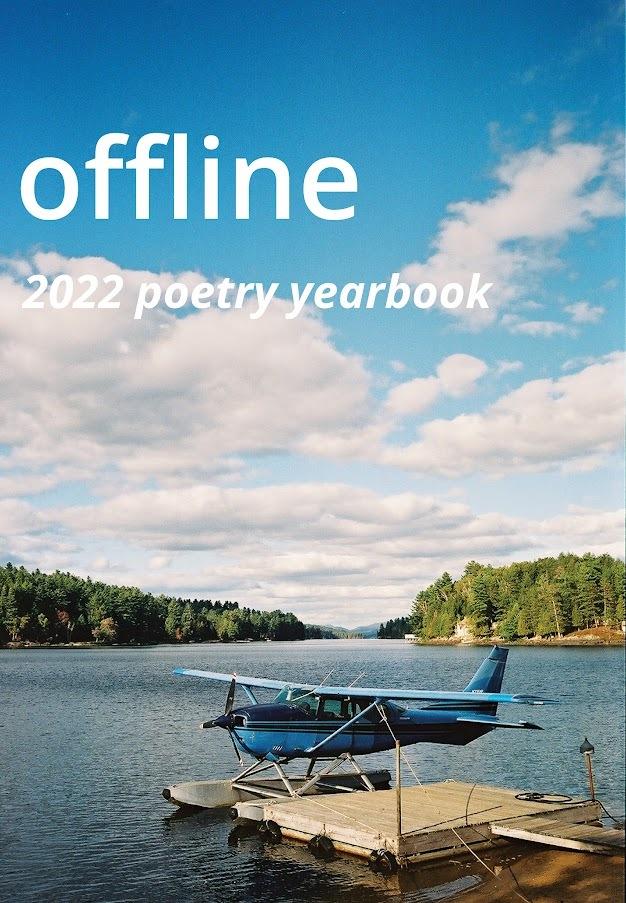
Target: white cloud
(17, 484)
(503, 367)
(456, 376)
(583, 312)
(544, 195)
(562, 127)
(330, 552)
(598, 532)
(27, 534)
(177, 405)
(98, 398)
(545, 423)
(542, 328)
(166, 397)
(575, 363)
(414, 396)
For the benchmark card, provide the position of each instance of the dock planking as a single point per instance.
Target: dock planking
(438, 820)
(552, 832)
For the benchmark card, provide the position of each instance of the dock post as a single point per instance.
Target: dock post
(398, 792)
(587, 751)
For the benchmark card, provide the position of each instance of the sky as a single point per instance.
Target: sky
(335, 463)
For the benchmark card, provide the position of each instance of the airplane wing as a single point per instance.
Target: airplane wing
(494, 721)
(241, 680)
(473, 696)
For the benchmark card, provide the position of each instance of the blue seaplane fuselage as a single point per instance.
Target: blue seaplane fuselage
(305, 721)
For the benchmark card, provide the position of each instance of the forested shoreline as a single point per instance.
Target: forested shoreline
(61, 608)
(546, 598)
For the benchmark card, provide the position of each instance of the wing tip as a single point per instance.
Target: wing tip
(535, 700)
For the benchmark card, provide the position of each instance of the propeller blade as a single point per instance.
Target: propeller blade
(237, 753)
(230, 697)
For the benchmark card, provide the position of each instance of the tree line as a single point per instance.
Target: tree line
(394, 629)
(547, 598)
(63, 608)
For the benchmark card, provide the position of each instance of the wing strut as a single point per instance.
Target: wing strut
(340, 729)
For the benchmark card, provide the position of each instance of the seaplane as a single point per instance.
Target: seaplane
(334, 724)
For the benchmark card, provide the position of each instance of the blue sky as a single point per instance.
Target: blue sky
(433, 104)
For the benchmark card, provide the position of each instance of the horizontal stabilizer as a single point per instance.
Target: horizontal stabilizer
(493, 721)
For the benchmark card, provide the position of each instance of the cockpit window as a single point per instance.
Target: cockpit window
(300, 697)
(329, 709)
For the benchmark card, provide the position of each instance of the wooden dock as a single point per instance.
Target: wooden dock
(438, 820)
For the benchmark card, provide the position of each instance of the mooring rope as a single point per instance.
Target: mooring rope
(311, 799)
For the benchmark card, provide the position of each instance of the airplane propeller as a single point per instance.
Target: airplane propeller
(225, 720)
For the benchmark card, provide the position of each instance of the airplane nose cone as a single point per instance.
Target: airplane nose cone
(222, 721)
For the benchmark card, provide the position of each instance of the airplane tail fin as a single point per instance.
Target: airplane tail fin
(488, 679)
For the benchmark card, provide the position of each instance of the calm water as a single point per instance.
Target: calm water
(90, 737)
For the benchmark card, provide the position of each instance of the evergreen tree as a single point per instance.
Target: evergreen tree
(186, 622)
(173, 619)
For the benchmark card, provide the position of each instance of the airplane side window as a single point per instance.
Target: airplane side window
(373, 715)
(329, 709)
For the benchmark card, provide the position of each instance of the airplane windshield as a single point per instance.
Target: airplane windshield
(298, 696)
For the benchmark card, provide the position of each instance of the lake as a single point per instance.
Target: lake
(90, 737)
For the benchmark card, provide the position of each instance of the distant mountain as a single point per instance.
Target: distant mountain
(368, 632)
(333, 632)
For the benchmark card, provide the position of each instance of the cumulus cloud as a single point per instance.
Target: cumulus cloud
(584, 312)
(503, 367)
(165, 396)
(541, 328)
(413, 396)
(155, 423)
(543, 195)
(27, 535)
(456, 375)
(576, 363)
(103, 400)
(545, 423)
(327, 551)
